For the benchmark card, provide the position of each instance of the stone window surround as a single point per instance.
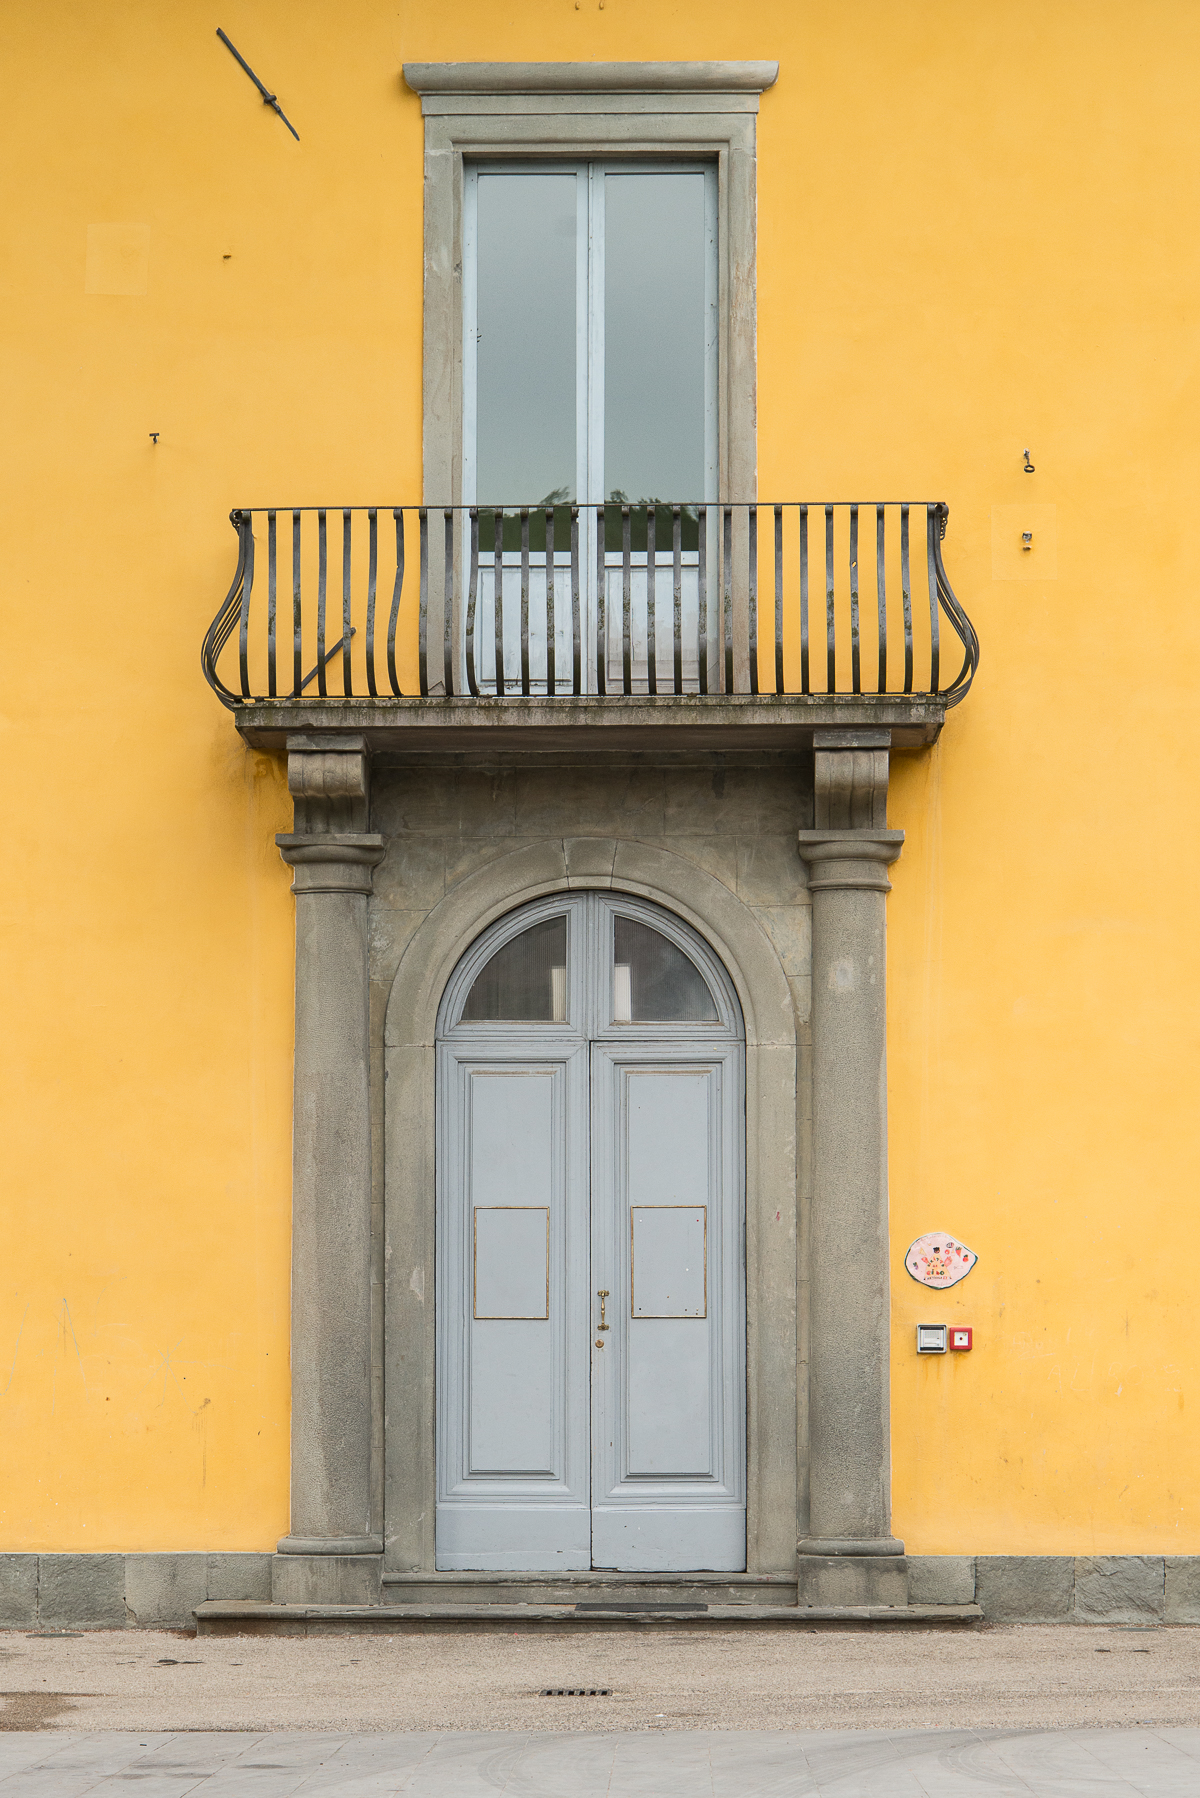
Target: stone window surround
(497, 110)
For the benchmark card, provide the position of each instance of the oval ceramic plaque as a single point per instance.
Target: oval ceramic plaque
(937, 1259)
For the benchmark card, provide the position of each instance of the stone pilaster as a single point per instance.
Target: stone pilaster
(332, 1551)
(850, 1556)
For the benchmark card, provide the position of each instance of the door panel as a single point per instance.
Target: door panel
(512, 1274)
(668, 1480)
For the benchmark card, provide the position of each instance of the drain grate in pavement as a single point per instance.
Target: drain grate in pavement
(576, 1692)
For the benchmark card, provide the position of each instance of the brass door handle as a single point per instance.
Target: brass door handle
(602, 1294)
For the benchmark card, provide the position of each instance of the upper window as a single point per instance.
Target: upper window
(591, 326)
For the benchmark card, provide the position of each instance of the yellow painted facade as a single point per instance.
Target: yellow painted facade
(975, 234)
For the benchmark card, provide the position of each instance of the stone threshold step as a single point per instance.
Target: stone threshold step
(643, 1590)
(236, 1617)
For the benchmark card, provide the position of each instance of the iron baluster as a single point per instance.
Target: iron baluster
(881, 591)
(601, 597)
(677, 597)
(525, 601)
(472, 602)
(906, 598)
(322, 585)
(803, 521)
(752, 593)
(347, 684)
(727, 595)
(576, 652)
(423, 601)
(702, 599)
(394, 615)
(651, 578)
(855, 657)
(271, 572)
(448, 609)
(550, 682)
(626, 603)
(830, 622)
(931, 524)
(498, 600)
(372, 582)
(779, 599)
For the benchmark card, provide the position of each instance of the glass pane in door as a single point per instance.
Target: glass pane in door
(655, 315)
(653, 981)
(525, 981)
(525, 443)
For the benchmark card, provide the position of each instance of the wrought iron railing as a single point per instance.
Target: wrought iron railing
(557, 600)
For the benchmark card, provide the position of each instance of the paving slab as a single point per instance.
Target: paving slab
(926, 1763)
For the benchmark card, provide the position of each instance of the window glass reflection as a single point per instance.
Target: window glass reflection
(525, 982)
(654, 982)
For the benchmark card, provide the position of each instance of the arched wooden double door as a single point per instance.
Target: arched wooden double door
(591, 1272)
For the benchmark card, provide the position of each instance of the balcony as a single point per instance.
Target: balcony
(434, 628)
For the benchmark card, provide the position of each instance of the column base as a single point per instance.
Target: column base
(326, 1579)
(847, 1580)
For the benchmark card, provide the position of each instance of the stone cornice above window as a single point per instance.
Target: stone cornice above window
(436, 78)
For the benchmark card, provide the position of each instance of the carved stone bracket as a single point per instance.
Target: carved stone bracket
(850, 779)
(329, 779)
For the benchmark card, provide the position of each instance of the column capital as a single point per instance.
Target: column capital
(331, 861)
(849, 858)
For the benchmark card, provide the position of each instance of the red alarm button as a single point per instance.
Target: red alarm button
(960, 1338)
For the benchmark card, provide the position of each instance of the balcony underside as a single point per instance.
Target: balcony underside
(484, 727)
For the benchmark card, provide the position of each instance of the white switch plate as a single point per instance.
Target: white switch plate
(931, 1339)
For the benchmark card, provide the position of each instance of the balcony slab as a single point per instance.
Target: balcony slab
(688, 723)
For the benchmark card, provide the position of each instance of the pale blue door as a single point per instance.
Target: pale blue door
(591, 1288)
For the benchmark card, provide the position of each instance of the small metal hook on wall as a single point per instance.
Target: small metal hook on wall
(1029, 469)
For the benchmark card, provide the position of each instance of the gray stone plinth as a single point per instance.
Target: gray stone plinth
(82, 1589)
(239, 1576)
(1025, 1588)
(1182, 1588)
(18, 1590)
(941, 1579)
(1119, 1588)
(165, 1589)
(326, 1579)
(852, 1580)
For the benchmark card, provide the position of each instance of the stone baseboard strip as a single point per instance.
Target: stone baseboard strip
(1062, 1588)
(123, 1591)
(115, 1591)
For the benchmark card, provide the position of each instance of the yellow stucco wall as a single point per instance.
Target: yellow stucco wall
(976, 233)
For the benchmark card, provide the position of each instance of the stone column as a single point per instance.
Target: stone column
(849, 1556)
(332, 1555)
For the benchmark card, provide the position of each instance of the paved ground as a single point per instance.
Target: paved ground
(833, 1712)
(823, 1678)
(684, 1764)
